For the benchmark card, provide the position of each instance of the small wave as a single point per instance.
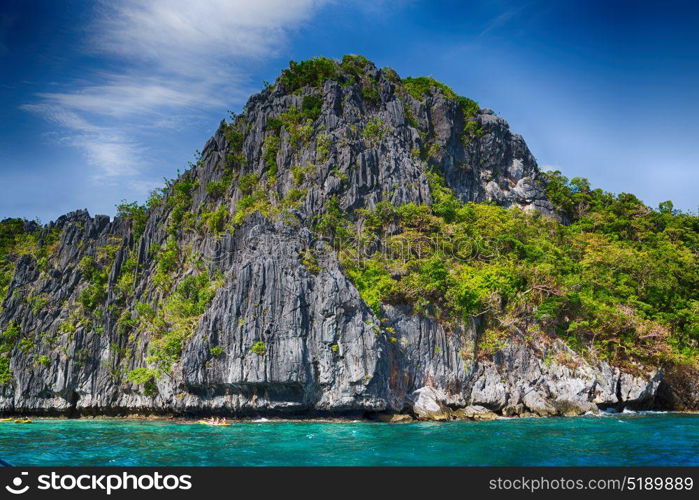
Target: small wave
(643, 412)
(261, 420)
(611, 412)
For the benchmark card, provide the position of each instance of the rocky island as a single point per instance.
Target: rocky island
(354, 243)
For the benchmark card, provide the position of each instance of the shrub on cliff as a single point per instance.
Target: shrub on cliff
(621, 282)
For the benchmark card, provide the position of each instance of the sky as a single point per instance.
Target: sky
(100, 100)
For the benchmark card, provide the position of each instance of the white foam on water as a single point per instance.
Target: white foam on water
(261, 420)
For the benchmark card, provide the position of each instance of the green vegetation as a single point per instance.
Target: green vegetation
(374, 130)
(137, 214)
(26, 344)
(167, 262)
(259, 348)
(19, 237)
(616, 280)
(8, 338)
(141, 375)
(97, 275)
(145, 377)
(371, 94)
(127, 275)
(216, 189)
(155, 199)
(311, 106)
(247, 182)
(421, 86)
(323, 143)
(215, 220)
(620, 282)
(354, 65)
(315, 72)
(37, 302)
(216, 351)
(235, 135)
(354, 71)
(180, 203)
(310, 261)
(174, 322)
(332, 223)
(298, 125)
(274, 124)
(5, 371)
(299, 174)
(248, 205)
(43, 360)
(292, 200)
(260, 192)
(270, 148)
(391, 75)
(312, 72)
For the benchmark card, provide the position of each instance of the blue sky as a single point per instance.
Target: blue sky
(101, 100)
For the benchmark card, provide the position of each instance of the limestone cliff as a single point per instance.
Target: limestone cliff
(221, 297)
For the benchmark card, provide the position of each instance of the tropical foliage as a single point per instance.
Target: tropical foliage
(620, 281)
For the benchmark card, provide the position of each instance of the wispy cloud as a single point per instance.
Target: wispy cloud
(176, 59)
(503, 18)
(114, 153)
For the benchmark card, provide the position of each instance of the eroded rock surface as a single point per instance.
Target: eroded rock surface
(280, 336)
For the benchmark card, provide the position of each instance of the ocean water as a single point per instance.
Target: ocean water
(620, 439)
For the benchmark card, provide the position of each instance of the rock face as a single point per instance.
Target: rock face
(282, 336)
(679, 389)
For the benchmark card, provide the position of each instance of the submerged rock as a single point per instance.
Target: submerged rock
(394, 418)
(474, 412)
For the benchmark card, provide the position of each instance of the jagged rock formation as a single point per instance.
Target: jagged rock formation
(280, 334)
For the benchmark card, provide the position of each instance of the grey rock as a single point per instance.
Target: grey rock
(326, 352)
(427, 405)
(474, 412)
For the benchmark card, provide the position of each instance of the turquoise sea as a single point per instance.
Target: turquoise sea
(621, 439)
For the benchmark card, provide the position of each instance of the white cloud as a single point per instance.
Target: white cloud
(503, 19)
(116, 155)
(176, 58)
(181, 36)
(131, 96)
(106, 147)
